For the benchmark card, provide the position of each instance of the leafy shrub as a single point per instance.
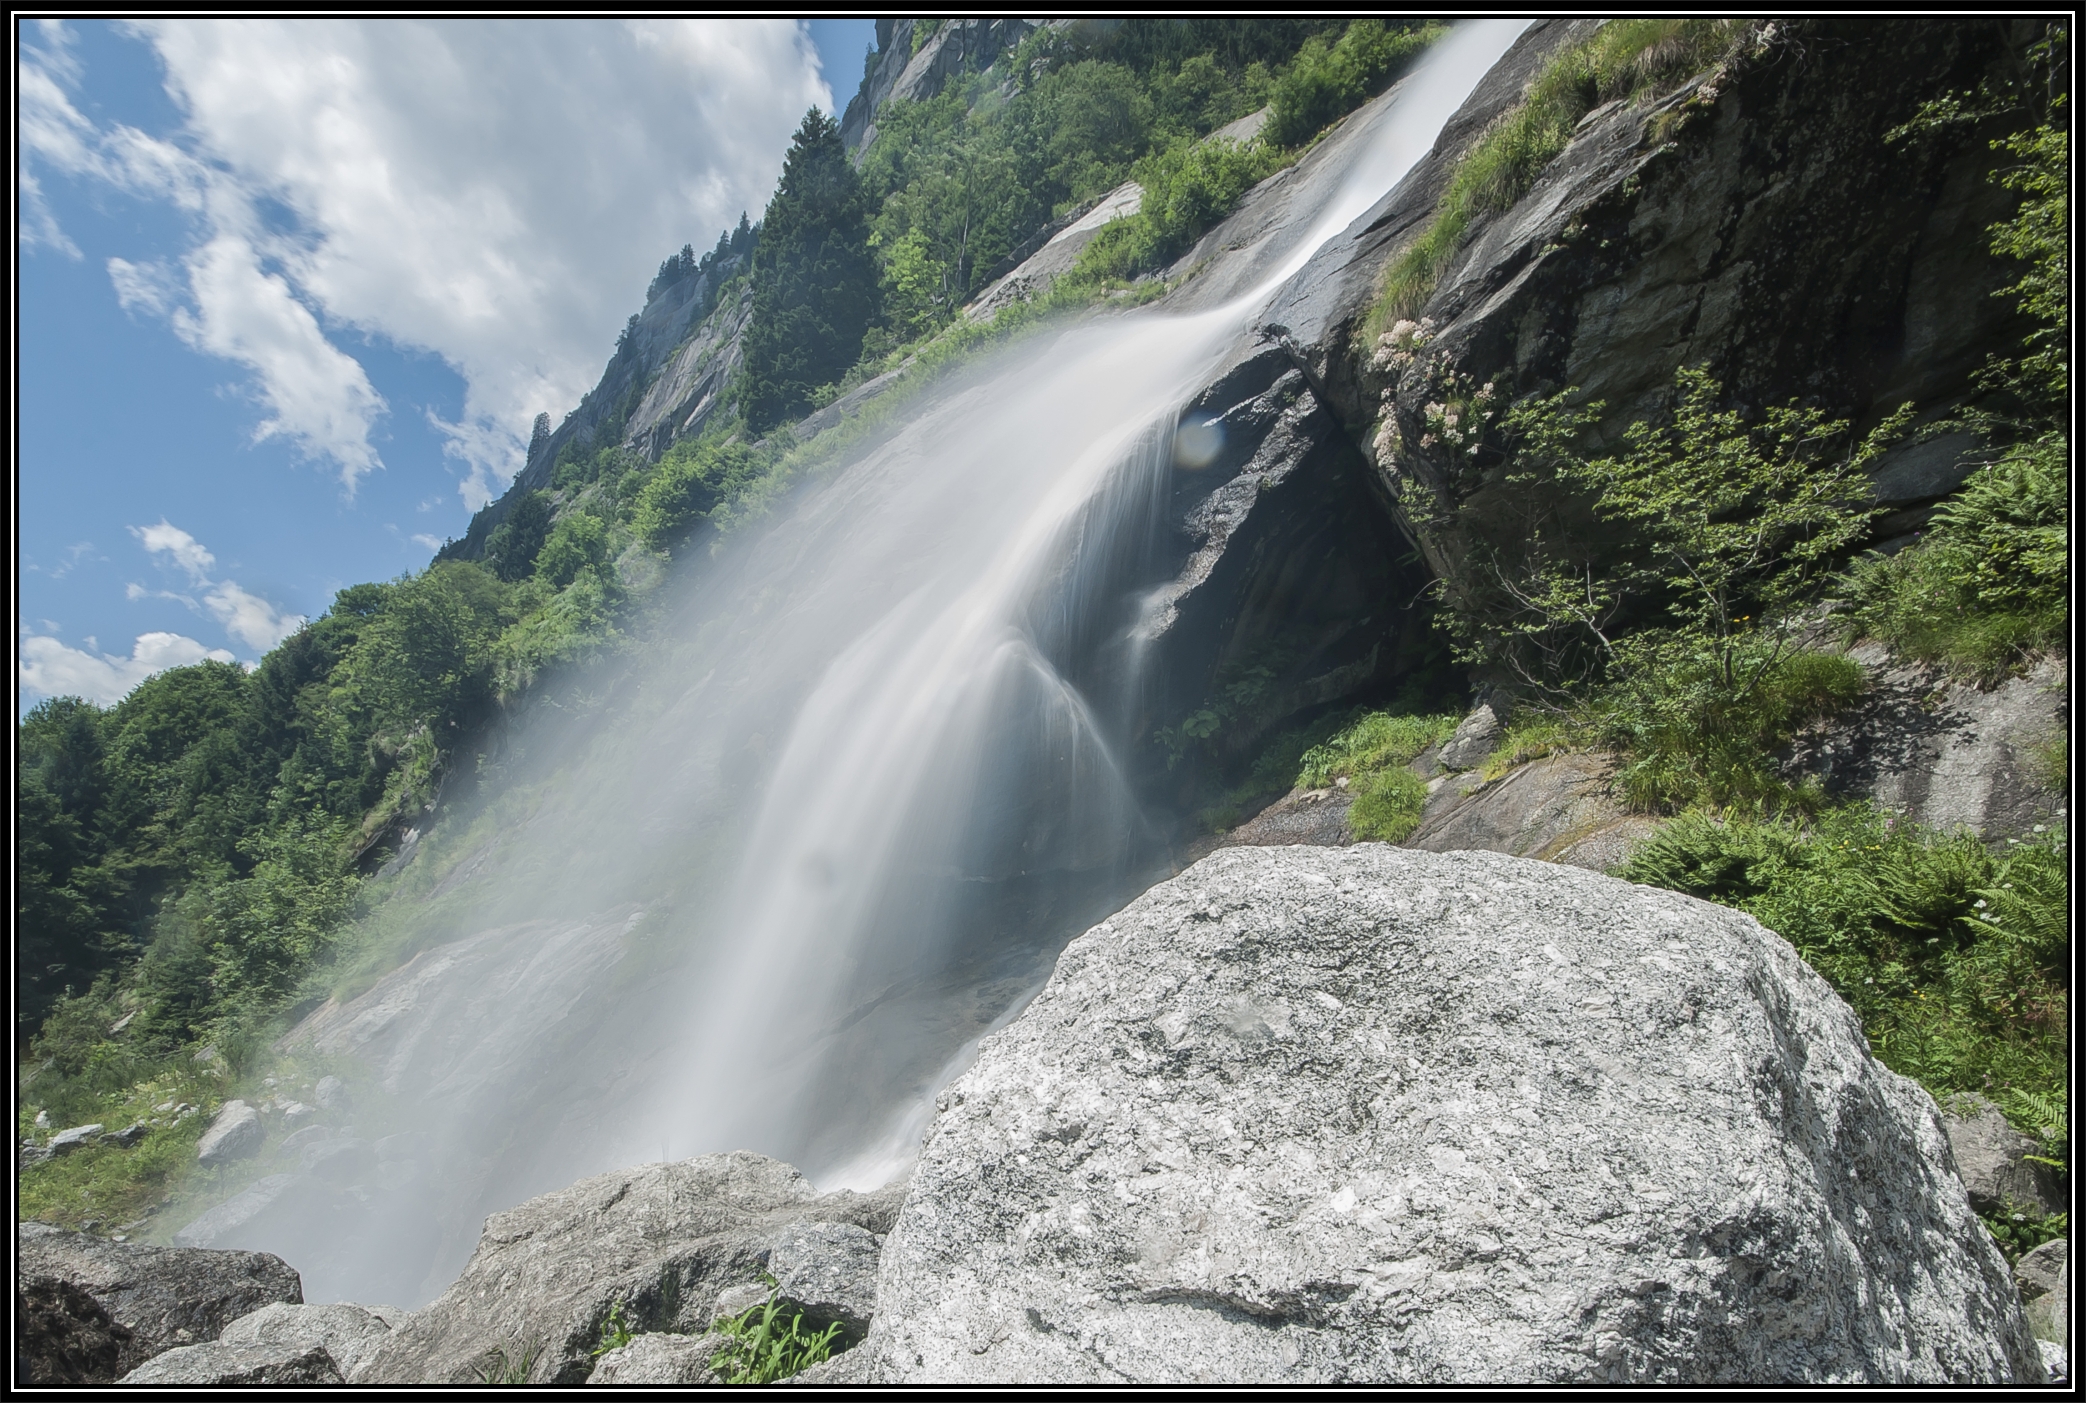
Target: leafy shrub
(1327, 81)
(1957, 985)
(1988, 588)
(691, 481)
(769, 1343)
(1188, 187)
(1693, 736)
(578, 541)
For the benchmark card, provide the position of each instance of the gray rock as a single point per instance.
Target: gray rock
(341, 1160)
(164, 1296)
(407, 1145)
(1561, 808)
(1474, 739)
(2044, 1277)
(259, 1212)
(735, 1301)
(66, 1141)
(346, 1332)
(1373, 1115)
(663, 1240)
(660, 1359)
(830, 1270)
(2057, 1360)
(1993, 1159)
(1920, 472)
(296, 1141)
(849, 1369)
(236, 1133)
(31, 1154)
(63, 1336)
(130, 1135)
(332, 1094)
(218, 1365)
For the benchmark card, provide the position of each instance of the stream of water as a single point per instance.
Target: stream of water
(770, 894)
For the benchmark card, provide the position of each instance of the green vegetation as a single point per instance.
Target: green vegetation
(1329, 80)
(1651, 601)
(769, 1343)
(1625, 59)
(1987, 590)
(1956, 959)
(814, 284)
(500, 1368)
(1373, 755)
(616, 1331)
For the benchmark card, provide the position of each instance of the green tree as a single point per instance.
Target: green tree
(511, 548)
(691, 481)
(814, 278)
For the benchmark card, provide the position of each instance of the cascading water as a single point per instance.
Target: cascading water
(768, 894)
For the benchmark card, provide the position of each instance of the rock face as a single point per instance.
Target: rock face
(957, 46)
(1755, 221)
(1946, 754)
(1374, 1115)
(660, 1359)
(1559, 809)
(1994, 1160)
(348, 1333)
(164, 1296)
(63, 1336)
(664, 1240)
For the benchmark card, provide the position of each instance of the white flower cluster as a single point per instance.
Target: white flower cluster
(1396, 348)
(1459, 419)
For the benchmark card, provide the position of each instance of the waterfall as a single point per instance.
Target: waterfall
(868, 779)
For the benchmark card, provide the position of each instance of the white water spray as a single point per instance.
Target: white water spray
(771, 896)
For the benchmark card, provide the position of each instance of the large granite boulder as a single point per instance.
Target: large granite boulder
(2044, 1277)
(661, 1359)
(164, 1297)
(1375, 1115)
(663, 1240)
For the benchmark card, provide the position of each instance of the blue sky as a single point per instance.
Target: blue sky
(290, 292)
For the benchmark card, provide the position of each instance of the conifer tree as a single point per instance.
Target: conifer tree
(814, 278)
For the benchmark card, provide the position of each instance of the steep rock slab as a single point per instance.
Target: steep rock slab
(165, 1297)
(1374, 1115)
(1559, 809)
(664, 1240)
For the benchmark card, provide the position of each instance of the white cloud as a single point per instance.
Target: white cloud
(49, 668)
(183, 549)
(249, 618)
(322, 399)
(144, 287)
(499, 193)
(246, 616)
(426, 542)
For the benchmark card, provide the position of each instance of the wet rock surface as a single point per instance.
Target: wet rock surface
(664, 1240)
(1369, 1114)
(164, 1297)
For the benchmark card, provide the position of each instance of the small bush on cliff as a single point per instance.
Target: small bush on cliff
(1957, 960)
(1328, 81)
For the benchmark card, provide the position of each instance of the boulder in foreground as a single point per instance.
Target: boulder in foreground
(164, 1297)
(663, 1241)
(1373, 1115)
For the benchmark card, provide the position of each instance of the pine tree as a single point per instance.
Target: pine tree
(814, 278)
